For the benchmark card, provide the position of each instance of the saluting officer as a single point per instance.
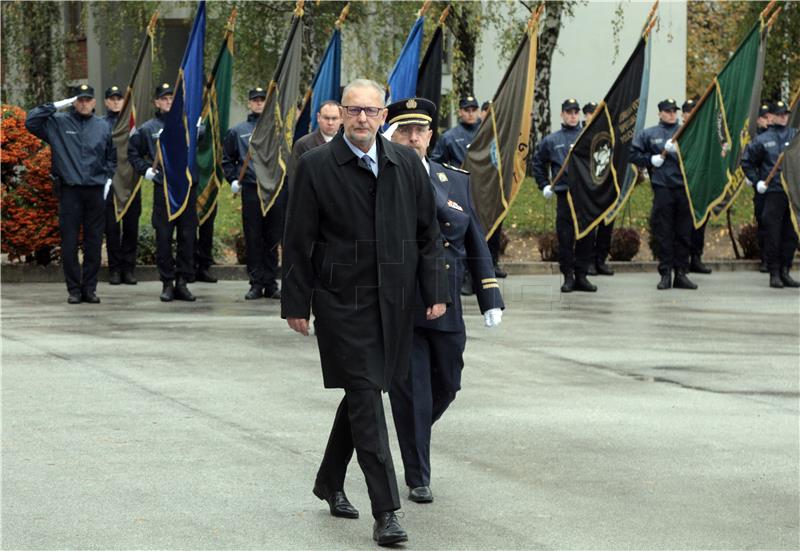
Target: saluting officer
(758, 160)
(696, 264)
(420, 398)
(122, 238)
(83, 163)
(604, 232)
(573, 256)
(671, 214)
(141, 152)
(262, 234)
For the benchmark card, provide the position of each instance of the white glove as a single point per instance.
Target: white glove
(106, 188)
(493, 317)
(656, 160)
(64, 102)
(669, 147)
(150, 174)
(748, 182)
(547, 191)
(235, 187)
(761, 186)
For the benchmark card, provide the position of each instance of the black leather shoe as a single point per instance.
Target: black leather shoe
(665, 283)
(420, 494)
(569, 284)
(255, 292)
(604, 269)
(114, 278)
(74, 298)
(787, 279)
(583, 284)
(592, 270)
(276, 294)
(182, 292)
(339, 504)
(128, 279)
(762, 267)
(683, 282)
(697, 267)
(90, 298)
(387, 530)
(775, 280)
(499, 272)
(466, 286)
(205, 276)
(167, 292)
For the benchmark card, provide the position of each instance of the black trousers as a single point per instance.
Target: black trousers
(185, 228)
(672, 225)
(781, 240)
(204, 257)
(698, 240)
(758, 208)
(494, 244)
(262, 235)
(573, 256)
(122, 238)
(81, 207)
(419, 400)
(360, 425)
(602, 242)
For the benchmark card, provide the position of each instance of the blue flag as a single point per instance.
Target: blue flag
(178, 141)
(403, 78)
(327, 81)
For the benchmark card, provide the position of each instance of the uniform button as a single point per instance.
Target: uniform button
(447, 266)
(446, 243)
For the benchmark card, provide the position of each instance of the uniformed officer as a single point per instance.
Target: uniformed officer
(604, 232)
(696, 263)
(174, 271)
(574, 256)
(83, 163)
(762, 123)
(758, 160)
(122, 238)
(671, 215)
(262, 234)
(421, 398)
(451, 147)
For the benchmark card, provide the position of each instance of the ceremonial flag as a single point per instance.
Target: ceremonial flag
(790, 173)
(271, 141)
(177, 144)
(710, 142)
(402, 81)
(138, 101)
(429, 76)
(496, 157)
(599, 158)
(216, 115)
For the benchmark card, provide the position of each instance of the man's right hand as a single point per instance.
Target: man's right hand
(64, 102)
(235, 187)
(150, 174)
(298, 324)
(657, 160)
(547, 191)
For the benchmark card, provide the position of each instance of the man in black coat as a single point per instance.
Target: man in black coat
(361, 234)
(329, 120)
(422, 397)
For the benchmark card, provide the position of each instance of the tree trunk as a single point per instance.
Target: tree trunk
(466, 34)
(544, 59)
(43, 18)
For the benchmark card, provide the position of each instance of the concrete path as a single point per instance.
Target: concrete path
(627, 419)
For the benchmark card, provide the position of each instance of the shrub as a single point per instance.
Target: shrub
(146, 252)
(548, 246)
(748, 239)
(29, 207)
(625, 243)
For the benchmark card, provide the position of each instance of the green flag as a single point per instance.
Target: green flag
(711, 140)
(216, 113)
(790, 175)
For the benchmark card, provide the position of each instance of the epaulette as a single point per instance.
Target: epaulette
(461, 170)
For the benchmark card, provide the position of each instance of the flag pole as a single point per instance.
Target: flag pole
(342, 16)
(424, 8)
(444, 15)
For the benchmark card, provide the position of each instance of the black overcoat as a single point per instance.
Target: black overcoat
(355, 248)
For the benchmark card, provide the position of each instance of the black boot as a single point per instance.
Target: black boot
(128, 279)
(665, 283)
(604, 269)
(74, 298)
(583, 284)
(591, 270)
(787, 280)
(182, 291)
(167, 292)
(114, 278)
(775, 280)
(499, 272)
(387, 530)
(90, 297)
(682, 282)
(204, 275)
(569, 283)
(763, 267)
(696, 266)
(255, 292)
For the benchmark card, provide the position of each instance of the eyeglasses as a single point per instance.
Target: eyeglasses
(355, 110)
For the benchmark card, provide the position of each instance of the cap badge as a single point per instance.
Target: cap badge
(411, 104)
(84, 87)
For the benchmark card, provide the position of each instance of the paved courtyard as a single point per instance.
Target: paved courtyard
(627, 419)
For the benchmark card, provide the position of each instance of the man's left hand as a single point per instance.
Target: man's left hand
(493, 317)
(298, 324)
(106, 189)
(435, 311)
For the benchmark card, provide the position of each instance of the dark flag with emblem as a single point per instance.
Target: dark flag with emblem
(272, 138)
(790, 173)
(138, 102)
(597, 163)
(497, 156)
(429, 76)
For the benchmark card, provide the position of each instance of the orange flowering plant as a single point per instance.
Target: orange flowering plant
(29, 211)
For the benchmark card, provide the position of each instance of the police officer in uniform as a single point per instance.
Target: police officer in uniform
(141, 152)
(671, 214)
(604, 232)
(122, 238)
(762, 124)
(83, 163)
(758, 160)
(262, 234)
(574, 256)
(420, 398)
(696, 264)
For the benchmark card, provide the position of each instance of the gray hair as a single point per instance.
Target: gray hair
(366, 83)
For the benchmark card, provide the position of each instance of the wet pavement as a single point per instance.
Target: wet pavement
(626, 419)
